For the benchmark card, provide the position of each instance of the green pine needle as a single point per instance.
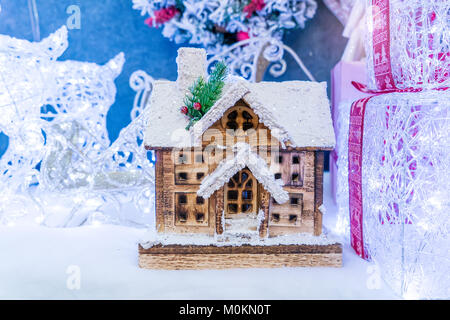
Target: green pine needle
(205, 92)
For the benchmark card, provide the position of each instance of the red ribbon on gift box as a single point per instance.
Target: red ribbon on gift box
(385, 84)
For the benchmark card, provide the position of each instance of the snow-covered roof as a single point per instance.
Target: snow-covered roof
(295, 111)
(243, 157)
(233, 94)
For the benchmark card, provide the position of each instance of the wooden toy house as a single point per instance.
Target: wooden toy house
(243, 186)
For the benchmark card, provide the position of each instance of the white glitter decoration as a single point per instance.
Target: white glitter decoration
(59, 167)
(25, 83)
(195, 24)
(265, 28)
(406, 189)
(420, 43)
(244, 56)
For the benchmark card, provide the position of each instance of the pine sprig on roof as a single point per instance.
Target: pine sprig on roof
(203, 94)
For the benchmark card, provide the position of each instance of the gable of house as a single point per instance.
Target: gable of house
(296, 112)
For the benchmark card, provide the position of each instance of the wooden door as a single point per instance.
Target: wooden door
(241, 194)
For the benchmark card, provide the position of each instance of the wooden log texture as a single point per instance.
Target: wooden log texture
(318, 194)
(229, 261)
(265, 207)
(219, 210)
(178, 257)
(159, 193)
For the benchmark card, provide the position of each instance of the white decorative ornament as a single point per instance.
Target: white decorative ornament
(205, 23)
(249, 58)
(25, 83)
(406, 189)
(59, 168)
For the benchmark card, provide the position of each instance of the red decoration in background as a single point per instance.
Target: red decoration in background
(184, 110)
(242, 35)
(162, 16)
(254, 5)
(385, 84)
(197, 106)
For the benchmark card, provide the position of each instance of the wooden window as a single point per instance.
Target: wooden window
(200, 175)
(275, 217)
(294, 168)
(247, 125)
(277, 176)
(182, 216)
(199, 158)
(231, 123)
(200, 200)
(232, 195)
(182, 158)
(294, 201)
(248, 118)
(190, 168)
(182, 199)
(232, 207)
(182, 176)
(289, 213)
(240, 118)
(247, 195)
(190, 209)
(241, 193)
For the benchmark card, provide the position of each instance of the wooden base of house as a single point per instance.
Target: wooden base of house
(191, 257)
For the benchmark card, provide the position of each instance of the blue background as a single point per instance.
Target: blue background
(111, 26)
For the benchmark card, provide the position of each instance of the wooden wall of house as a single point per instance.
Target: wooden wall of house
(179, 174)
(178, 208)
(298, 214)
(248, 129)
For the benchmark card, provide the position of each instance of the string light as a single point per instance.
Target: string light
(59, 166)
(406, 189)
(420, 43)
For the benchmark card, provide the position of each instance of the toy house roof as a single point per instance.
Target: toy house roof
(296, 111)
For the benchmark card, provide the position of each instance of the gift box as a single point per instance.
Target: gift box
(343, 93)
(393, 159)
(404, 223)
(408, 44)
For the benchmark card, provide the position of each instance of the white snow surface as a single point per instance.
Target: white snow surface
(35, 263)
(243, 157)
(296, 111)
(152, 238)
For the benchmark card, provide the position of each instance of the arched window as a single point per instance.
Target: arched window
(240, 118)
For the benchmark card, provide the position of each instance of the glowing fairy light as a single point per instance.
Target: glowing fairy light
(406, 195)
(406, 163)
(420, 42)
(59, 160)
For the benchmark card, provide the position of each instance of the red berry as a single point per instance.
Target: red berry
(149, 22)
(242, 35)
(197, 106)
(184, 110)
